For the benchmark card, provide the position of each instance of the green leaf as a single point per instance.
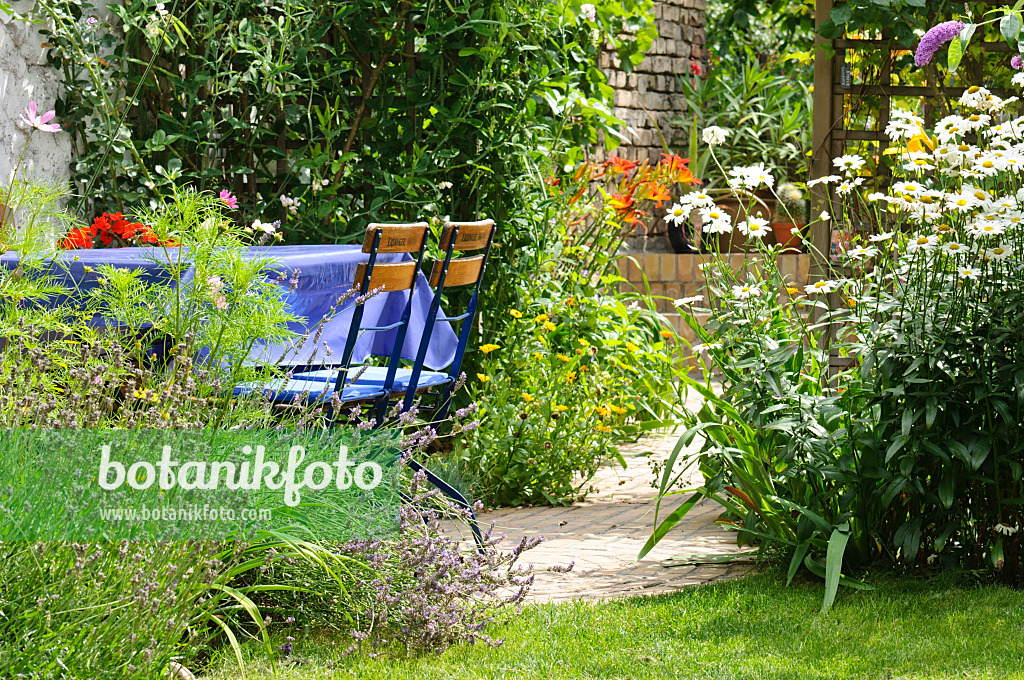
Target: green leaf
(946, 486)
(798, 557)
(1009, 26)
(956, 53)
(834, 566)
(670, 521)
(841, 14)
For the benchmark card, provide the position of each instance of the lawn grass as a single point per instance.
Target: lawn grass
(750, 628)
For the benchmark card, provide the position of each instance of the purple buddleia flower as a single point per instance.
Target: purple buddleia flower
(1017, 63)
(936, 37)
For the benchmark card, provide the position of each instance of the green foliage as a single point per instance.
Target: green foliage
(579, 364)
(750, 628)
(376, 110)
(765, 108)
(768, 27)
(117, 610)
(914, 455)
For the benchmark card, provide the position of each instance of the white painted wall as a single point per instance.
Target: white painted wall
(25, 77)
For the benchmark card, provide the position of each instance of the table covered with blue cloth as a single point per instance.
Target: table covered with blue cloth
(325, 274)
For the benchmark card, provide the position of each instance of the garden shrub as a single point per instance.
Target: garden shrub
(914, 455)
(329, 117)
(580, 365)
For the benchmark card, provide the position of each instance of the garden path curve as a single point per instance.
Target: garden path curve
(604, 534)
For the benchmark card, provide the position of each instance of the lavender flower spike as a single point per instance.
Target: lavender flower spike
(936, 37)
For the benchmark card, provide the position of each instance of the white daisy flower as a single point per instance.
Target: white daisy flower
(717, 227)
(823, 180)
(744, 292)
(968, 272)
(912, 188)
(713, 213)
(849, 163)
(821, 287)
(677, 214)
(682, 302)
(882, 237)
(953, 248)
(862, 253)
(922, 243)
(987, 228)
(753, 226)
(1000, 252)
(849, 185)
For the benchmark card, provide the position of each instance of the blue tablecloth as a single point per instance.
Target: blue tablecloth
(326, 273)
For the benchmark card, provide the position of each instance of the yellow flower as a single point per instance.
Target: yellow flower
(488, 348)
(853, 303)
(562, 357)
(538, 356)
(667, 334)
(630, 347)
(569, 302)
(550, 326)
(541, 318)
(527, 397)
(570, 376)
(603, 428)
(559, 408)
(482, 377)
(583, 341)
(617, 409)
(792, 291)
(601, 411)
(515, 313)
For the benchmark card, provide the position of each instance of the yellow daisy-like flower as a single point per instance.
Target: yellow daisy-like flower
(482, 377)
(601, 411)
(515, 314)
(630, 347)
(488, 348)
(570, 377)
(792, 291)
(527, 397)
(538, 356)
(541, 318)
(569, 302)
(617, 409)
(562, 357)
(603, 428)
(667, 334)
(548, 325)
(583, 341)
(559, 407)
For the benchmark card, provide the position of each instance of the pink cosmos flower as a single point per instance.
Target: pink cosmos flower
(229, 199)
(39, 122)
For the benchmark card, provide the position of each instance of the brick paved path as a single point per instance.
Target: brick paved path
(604, 534)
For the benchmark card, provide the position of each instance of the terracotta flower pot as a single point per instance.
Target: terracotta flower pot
(736, 242)
(787, 235)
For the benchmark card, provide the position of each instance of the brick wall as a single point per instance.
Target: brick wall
(651, 90)
(675, 276)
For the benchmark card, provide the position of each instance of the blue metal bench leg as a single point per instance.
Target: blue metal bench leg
(449, 491)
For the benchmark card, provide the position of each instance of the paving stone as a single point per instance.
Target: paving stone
(604, 534)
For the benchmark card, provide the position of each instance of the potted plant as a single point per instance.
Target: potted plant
(790, 217)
